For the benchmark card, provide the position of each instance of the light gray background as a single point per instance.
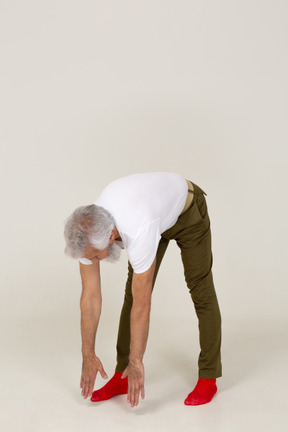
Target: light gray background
(95, 90)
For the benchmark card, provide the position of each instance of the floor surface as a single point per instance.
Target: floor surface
(40, 373)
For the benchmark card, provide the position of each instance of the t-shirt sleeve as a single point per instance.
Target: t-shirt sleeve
(142, 251)
(85, 261)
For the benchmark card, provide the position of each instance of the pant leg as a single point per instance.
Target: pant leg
(193, 236)
(123, 340)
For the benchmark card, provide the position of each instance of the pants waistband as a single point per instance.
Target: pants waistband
(193, 189)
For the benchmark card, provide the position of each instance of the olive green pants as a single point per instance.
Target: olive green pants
(193, 236)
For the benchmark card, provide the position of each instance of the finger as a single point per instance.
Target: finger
(86, 389)
(132, 396)
(83, 391)
(136, 396)
(92, 384)
(143, 392)
(124, 374)
(82, 385)
(103, 373)
(128, 396)
(129, 392)
(131, 399)
(90, 389)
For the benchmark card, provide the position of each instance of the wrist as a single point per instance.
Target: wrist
(135, 361)
(88, 354)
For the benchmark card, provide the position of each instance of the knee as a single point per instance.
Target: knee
(128, 299)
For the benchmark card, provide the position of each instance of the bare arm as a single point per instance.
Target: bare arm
(139, 322)
(140, 313)
(90, 305)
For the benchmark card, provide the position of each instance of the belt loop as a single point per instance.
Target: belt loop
(197, 189)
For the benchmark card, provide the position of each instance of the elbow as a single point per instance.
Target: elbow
(84, 306)
(147, 306)
(143, 307)
(89, 303)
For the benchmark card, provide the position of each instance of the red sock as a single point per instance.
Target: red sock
(115, 386)
(204, 391)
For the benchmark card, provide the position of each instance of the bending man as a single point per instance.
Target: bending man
(142, 213)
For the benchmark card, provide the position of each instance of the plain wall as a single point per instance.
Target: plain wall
(95, 90)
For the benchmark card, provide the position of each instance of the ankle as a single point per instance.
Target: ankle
(207, 381)
(118, 376)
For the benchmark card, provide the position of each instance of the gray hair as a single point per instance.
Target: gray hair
(87, 225)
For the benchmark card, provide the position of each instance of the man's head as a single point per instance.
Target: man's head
(90, 233)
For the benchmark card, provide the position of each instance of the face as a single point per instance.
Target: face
(95, 255)
(111, 253)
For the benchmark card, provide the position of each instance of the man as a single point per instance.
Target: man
(142, 213)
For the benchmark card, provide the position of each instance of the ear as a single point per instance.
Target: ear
(112, 238)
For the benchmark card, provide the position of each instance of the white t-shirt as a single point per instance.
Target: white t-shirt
(143, 206)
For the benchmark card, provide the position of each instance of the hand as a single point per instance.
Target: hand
(90, 367)
(135, 373)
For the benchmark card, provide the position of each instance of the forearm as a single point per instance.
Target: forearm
(90, 315)
(139, 327)
(139, 322)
